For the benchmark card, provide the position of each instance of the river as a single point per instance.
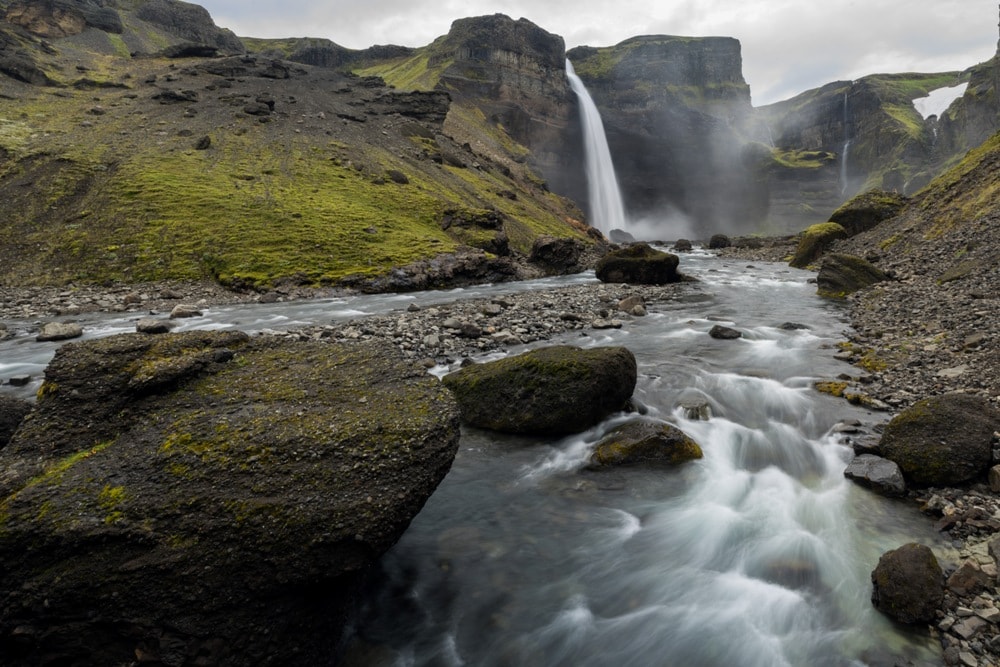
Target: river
(759, 554)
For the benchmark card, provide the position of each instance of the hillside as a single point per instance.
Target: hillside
(184, 163)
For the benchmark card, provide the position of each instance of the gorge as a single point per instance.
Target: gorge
(325, 232)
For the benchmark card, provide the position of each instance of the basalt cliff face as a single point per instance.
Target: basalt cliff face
(672, 110)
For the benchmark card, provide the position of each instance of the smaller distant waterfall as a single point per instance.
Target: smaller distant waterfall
(606, 209)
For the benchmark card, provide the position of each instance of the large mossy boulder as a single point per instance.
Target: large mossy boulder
(639, 264)
(549, 391)
(841, 274)
(814, 241)
(861, 213)
(645, 441)
(943, 440)
(208, 498)
(908, 584)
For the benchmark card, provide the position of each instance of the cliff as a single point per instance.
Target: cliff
(246, 170)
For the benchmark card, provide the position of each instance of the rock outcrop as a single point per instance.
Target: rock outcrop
(549, 391)
(639, 264)
(205, 498)
(908, 584)
(943, 440)
(841, 274)
(645, 441)
(814, 241)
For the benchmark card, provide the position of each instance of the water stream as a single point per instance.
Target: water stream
(606, 209)
(757, 555)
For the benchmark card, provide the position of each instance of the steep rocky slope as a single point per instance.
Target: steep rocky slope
(246, 170)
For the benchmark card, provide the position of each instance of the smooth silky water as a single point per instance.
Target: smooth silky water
(758, 554)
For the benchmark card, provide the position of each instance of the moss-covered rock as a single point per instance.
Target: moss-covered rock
(908, 584)
(868, 209)
(841, 274)
(943, 440)
(638, 264)
(552, 390)
(645, 441)
(814, 241)
(207, 497)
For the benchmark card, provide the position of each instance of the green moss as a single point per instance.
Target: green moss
(830, 387)
(802, 159)
(814, 241)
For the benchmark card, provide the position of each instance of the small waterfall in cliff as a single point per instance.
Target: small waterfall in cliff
(606, 209)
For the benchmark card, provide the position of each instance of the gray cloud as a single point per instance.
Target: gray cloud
(788, 45)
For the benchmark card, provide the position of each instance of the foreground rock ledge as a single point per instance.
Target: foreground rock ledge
(207, 498)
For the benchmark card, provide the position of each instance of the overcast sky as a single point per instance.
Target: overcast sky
(788, 45)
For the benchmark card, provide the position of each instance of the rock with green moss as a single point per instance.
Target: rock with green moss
(841, 274)
(868, 209)
(208, 498)
(814, 241)
(943, 440)
(645, 441)
(639, 264)
(552, 390)
(908, 584)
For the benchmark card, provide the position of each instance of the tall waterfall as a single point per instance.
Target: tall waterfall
(606, 209)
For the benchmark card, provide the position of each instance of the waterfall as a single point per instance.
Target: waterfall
(606, 209)
(844, 152)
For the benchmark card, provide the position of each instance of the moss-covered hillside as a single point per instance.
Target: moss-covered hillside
(245, 170)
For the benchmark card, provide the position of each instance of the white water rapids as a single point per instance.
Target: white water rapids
(758, 555)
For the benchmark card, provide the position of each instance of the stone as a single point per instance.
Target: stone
(154, 325)
(994, 478)
(198, 498)
(12, 412)
(720, 332)
(19, 380)
(943, 440)
(682, 245)
(814, 241)
(53, 331)
(718, 242)
(969, 627)
(556, 256)
(969, 579)
(841, 274)
(552, 390)
(645, 441)
(866, 210)
(185, 310)
(876, 473)
(907, 584)
(638, 264)
(630, 302)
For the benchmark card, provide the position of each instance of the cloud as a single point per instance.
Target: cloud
(788, 45)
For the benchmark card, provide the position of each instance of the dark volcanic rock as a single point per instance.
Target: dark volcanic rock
(724, 333)
(814, 241)
(556, 256)
(840, 275)
(639, 264)
(189, 22)
(867, 210)
(943, 440)
(908, 584)
(876, 473)
(645, 441)
(12, 412)
(205, 498)
(552, 390)
(719, 241)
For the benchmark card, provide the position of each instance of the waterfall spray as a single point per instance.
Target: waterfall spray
(606, 209)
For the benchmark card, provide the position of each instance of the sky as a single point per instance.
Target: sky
(788, 46)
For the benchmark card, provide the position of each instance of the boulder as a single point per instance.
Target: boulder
(208, 498)
(556, 256)
(12, 412)
(645, 441)
(682, 245)
(59, 331)
(638, 264)
(549, 391)
(154, 325)
(814, 241)
(876, 473)
(943, 440)
(840, 275)
(184, 310)
(720, 332)
(861, 213)
(718, 242)
(620, 236)
(908, 584)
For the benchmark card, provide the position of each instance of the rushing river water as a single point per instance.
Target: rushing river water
(757, 555)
